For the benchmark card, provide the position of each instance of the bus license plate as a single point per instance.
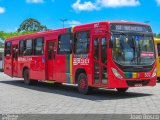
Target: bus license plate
(138, 85)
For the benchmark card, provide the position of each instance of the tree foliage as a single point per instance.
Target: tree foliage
(158, 35)
(4, 35)
(31, 24)
(28, 26)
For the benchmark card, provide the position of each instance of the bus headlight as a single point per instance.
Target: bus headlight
(154, 72)
(116, 73)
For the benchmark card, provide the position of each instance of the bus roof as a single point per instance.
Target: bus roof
(64, 29)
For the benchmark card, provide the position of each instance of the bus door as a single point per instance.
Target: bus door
(51, 53)
(158, 59)
(15, 60)
(100, 60)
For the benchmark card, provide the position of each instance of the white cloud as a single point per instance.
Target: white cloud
(34, 1)
(74, 23)
(2, 10)
(98, 4)
(86, 6)
(118, 3)
(158, 2)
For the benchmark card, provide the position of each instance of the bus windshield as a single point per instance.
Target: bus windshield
(131, 49)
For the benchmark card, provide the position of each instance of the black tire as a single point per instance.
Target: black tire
(83, 87)
(57, 83)
(122, 90)
(27, 79)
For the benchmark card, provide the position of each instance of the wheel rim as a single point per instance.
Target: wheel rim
(82, 84)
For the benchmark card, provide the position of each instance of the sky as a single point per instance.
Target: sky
(51, 12)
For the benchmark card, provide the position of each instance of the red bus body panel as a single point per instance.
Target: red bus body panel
(63, 68)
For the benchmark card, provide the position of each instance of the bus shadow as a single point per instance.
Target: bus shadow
(68, 90)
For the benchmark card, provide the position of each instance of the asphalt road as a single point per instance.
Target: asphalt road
(18, 98)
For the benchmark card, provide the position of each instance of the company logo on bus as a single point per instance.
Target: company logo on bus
(80, 61)
(24, 59)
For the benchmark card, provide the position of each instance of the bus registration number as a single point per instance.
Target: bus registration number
(138, 85)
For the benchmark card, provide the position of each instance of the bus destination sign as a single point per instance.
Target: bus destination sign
(126, 27)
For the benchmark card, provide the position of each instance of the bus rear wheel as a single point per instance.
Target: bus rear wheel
(83, 87)
(27, 79)
(122, 90)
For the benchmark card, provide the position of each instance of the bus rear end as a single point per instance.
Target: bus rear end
(133, 56)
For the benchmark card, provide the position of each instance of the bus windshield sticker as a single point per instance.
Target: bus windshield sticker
(137, 38)
(147, 54)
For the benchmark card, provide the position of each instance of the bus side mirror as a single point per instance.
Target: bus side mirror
(110, 44)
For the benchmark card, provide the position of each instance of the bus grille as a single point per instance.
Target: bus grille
(137, 82)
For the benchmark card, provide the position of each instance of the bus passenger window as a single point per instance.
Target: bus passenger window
(21, 47)
(15, 52)
(8, 49)
(65, 44)
(158, 49)
(82, 42)
(0, 56)
(38, 46)
(28, 47)
(50, 50)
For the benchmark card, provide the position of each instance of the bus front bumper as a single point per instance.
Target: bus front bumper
(126, 83)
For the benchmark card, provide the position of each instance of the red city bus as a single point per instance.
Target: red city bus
(115, 55)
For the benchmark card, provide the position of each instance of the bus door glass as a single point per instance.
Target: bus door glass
(15, 60)
(8, 59)
(51, 53)
(100, 60)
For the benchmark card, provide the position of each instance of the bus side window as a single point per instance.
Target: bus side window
(28, 47)
(158, 49)
(0, 56)
(38, 46)
(65, 44)
(8, 46)
(21, 47)
(50, 50)
(82, 42)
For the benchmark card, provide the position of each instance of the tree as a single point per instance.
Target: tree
(1, 35)
(158, 35)
(31, 24)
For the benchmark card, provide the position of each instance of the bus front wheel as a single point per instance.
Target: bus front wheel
(122, 90)
(83, 87)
